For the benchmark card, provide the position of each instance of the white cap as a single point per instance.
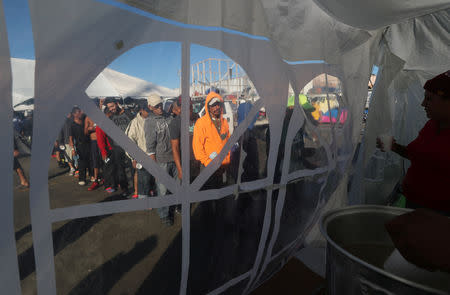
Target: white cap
(214, 100)
(154, 99)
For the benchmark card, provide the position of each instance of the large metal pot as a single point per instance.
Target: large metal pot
(358, 232)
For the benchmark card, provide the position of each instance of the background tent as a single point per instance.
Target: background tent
(409, 41)
(107, 83)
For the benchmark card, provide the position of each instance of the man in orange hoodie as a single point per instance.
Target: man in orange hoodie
(211, 133)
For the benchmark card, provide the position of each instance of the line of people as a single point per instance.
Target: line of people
(90, 151)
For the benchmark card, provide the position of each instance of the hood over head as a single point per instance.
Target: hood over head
(212, 96)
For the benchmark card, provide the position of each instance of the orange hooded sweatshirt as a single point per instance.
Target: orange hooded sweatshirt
(207, 139)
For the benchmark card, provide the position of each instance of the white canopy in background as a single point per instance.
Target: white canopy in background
(408, 40)
(107, 83)
(127, 85)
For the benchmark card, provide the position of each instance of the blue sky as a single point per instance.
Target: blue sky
(149, 62)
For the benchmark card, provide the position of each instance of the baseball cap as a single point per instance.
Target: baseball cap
(154, 99)
(214, 100)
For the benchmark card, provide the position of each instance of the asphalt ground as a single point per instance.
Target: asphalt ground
(134, 253)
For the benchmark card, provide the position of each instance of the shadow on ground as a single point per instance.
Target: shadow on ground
(62, 237)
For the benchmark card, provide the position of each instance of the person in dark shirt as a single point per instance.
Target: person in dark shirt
(175, 139)
(64, 142)
(118, 161)
(80, 144)
(120, 116)
(426, 182)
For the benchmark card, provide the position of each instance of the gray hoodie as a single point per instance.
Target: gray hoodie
(157, 137)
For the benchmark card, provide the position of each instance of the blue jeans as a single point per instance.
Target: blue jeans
(144, 183)
(166, 213)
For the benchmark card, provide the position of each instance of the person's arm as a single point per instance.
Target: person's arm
(71, 144)
(131, 133)
(101, 142)
(422, 237)
(399, 149)
(198, 141)
(150, 138)
(61, 136)
(88, 126)
(176, 155)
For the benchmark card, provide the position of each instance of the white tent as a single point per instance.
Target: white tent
(107, 83)
(127, 85)
(408, 40)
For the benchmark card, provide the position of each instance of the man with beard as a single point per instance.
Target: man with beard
(211, 133)
(116, 160)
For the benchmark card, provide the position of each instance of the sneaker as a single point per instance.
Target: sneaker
(71, 172)
(93, 186)
(81, 183)
(135, 196)
(110, 190)
(76, 173)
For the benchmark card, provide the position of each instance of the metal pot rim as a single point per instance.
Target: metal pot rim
(328, 216)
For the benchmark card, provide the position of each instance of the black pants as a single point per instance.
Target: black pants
(83, 152)
(114, 170)
(144, 182)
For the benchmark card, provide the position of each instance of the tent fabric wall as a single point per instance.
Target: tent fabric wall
(293, 30)
(9, 270)
(373, 16)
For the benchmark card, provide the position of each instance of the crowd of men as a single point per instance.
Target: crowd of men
(89, 151)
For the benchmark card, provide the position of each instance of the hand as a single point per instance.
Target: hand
(180, 174)
(380, 144)
(394, 145)
(422, 238)
(104, 157)
(73, 152)
(16, 153)
(133, 163)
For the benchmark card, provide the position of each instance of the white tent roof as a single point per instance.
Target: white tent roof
(408, 40)
(107, 83)
(23, 79)
(126, 85)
